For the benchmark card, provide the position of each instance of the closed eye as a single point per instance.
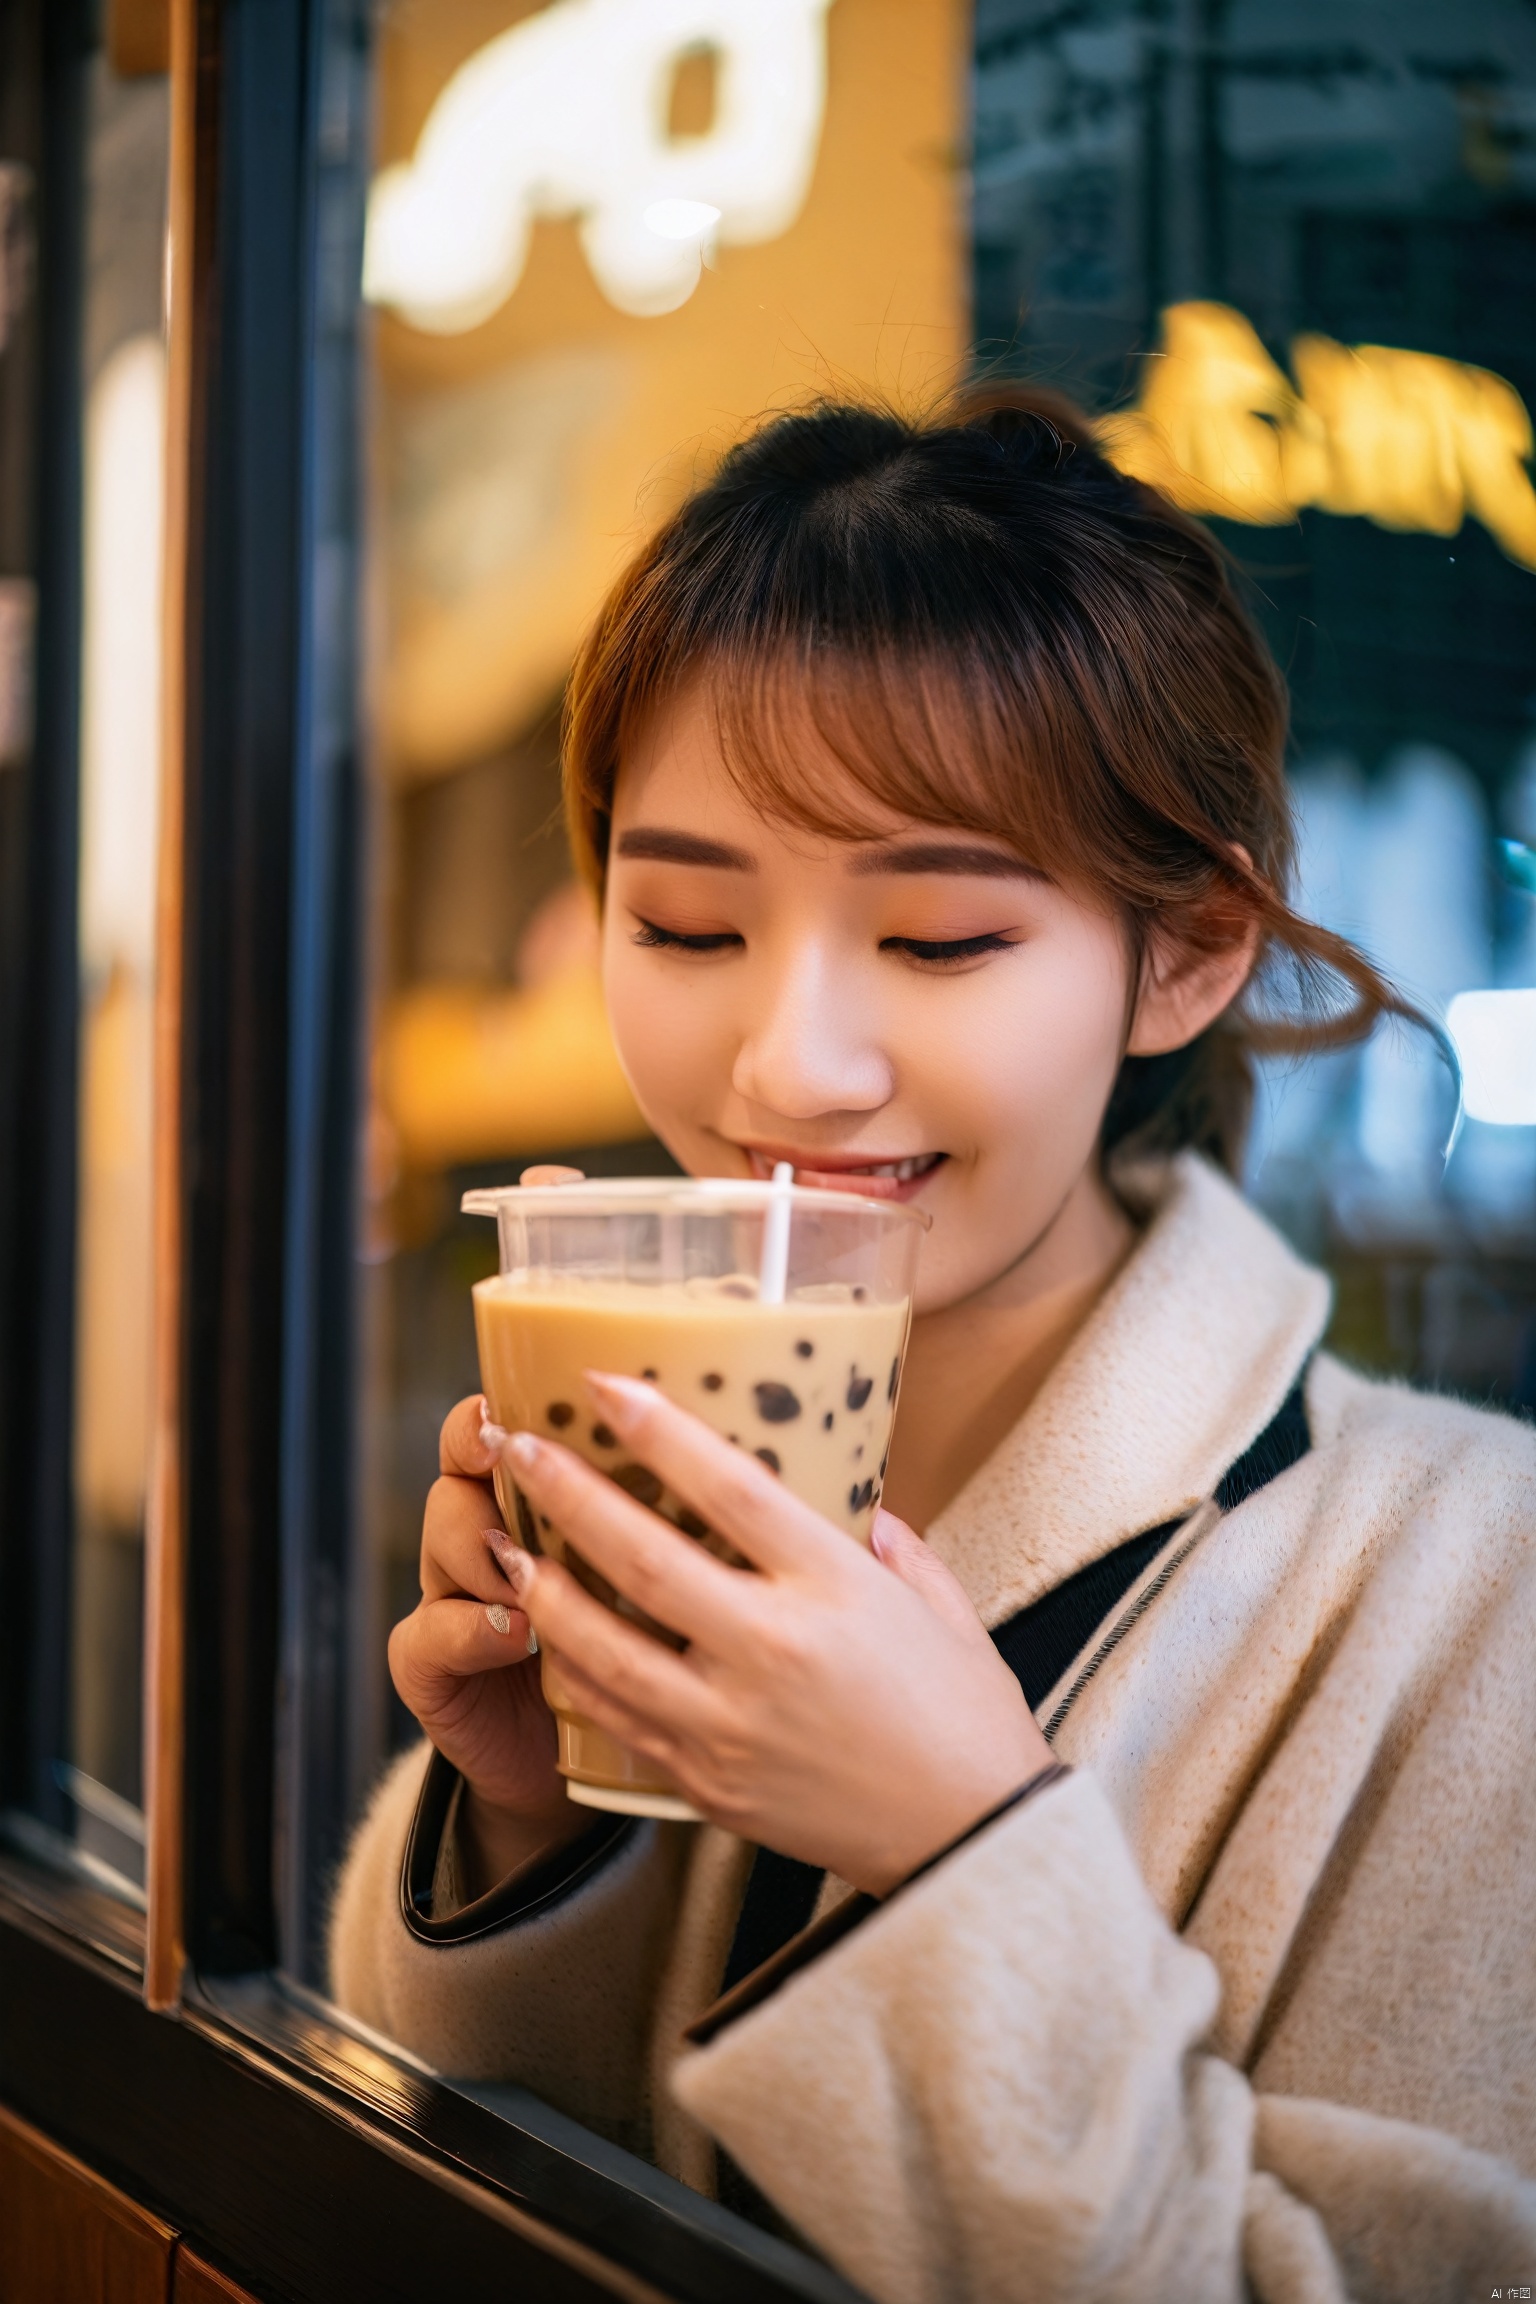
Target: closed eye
(656, 939)
(952, 949)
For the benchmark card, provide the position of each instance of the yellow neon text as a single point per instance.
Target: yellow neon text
(1405, 439)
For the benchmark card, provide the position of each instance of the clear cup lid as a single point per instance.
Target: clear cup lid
(622, 1195)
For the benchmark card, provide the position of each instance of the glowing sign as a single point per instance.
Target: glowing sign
(1495, 1036)
(1402, 438)
(566, 114)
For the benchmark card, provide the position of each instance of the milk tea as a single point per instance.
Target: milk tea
(807, 1386)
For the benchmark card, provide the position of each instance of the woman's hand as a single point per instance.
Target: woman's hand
(461, 1663)
(846, 1709)
(461, 1660)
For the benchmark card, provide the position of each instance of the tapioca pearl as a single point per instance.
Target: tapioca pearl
(768, 1456)
(860, 1496)
(639, 1481)
(650, 1376)
(560, 1413)
(804, 1347)
(776, 1404)
(692, 1525)
(602, 1437)
(712, 1381)
(546, 1525)
(591, 1579)
(828, 1421)
(861, 1295)
(890, 1390)
(859, 1389)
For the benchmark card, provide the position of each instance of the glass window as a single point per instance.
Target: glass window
(83, 363)
(123, 396)
(1277, 252)
(1291, 249)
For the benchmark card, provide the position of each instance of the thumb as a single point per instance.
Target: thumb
(903, 1551)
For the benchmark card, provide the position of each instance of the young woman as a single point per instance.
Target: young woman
(1122, 1882)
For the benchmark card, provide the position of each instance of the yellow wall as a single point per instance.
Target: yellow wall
(591, 422)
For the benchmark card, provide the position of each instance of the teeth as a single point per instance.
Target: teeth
(901, 1171)
(898, 1171)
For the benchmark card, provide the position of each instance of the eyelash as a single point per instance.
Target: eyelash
(932, 954)
(958, 948)
(668, 940)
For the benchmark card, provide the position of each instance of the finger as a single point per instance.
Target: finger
(634, 1670)
(454, 1557)
(460, 1447)
(903, 1551)
(672, 1578)
(550, 1173)
(726, 1484)
(456, 1640)
(598, 1704)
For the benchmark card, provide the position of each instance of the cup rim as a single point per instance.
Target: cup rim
(618, 1195)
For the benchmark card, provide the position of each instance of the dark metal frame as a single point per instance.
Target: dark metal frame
(309, 2161)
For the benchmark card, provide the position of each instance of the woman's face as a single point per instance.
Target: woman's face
(915, 1015)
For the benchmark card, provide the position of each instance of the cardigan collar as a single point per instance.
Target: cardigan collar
(1180, 1366)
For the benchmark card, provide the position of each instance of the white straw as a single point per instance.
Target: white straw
(773, 1277)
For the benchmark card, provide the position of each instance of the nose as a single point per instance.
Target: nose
(807, 1051)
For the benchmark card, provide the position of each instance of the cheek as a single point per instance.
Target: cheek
(664, 1029)
(1029, 1060)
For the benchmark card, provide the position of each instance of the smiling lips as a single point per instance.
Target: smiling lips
(873, 1179)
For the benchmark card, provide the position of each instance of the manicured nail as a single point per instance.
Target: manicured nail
(499, 1618)
(492, 1438)
(532, 1641)
(622, 1396)
(523, 1452)
(510, 1558)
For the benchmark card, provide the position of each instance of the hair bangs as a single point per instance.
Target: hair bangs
(908, 740)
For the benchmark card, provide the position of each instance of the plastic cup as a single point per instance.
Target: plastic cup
(778, 1315)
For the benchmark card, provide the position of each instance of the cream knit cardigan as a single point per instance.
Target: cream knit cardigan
(1245, 2006)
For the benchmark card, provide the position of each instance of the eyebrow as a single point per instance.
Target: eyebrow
(967, 859)
(660, 844)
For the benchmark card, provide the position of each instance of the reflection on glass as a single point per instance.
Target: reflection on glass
(1286, 252)
(1402, 438)
(119, 765)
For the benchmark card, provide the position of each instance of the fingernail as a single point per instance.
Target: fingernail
(532, 1641)
(622, 1396)
(492, 1438)
(524, 1451)
(510, 1558)
(499, 1618)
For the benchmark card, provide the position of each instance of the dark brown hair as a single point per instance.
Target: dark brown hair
(993, 630)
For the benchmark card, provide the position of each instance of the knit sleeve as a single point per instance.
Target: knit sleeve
(1002, 2092)
(559, 2000)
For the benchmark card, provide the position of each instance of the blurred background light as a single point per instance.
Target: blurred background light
(1495, 1036)
(568, 113)
(682, 219)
